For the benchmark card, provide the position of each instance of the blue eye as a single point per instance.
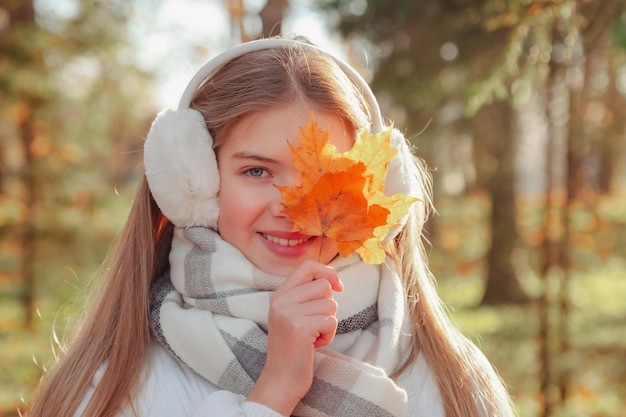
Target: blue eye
(256, 172)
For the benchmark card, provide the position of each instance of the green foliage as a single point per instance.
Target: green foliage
(503, 50)
(619, 33)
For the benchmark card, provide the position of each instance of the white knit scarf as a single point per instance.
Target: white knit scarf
(211, 312)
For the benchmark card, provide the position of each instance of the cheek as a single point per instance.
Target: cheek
(231, 208)
(238, 208)
(226, 212)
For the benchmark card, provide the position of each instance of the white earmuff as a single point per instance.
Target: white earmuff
(181, 167)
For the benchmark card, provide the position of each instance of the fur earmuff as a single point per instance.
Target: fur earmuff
(181, 168)
(401, 173)
(402, 177)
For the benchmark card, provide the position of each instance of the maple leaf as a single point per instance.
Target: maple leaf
(341, 196)
(315, 154)
(376, 152)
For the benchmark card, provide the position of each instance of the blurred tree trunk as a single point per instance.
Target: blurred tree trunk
(565, 164)
(555, 265)
(494, 131)
(589, 122)
(237, 13)
(3, 168)
(21, 21)
(613, 147)
(602, 63)
(272, 16)
(27, 235)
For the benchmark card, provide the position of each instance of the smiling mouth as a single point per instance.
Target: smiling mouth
(284, 242)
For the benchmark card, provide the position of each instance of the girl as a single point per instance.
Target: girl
(212, 306)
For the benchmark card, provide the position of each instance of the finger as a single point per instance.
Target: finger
(313, 308)
(306, 320)
(318, 330)
(327, 331)
(311, 270)
(295, 318)
(317, 289)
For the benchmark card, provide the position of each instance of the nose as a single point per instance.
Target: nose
(276, 204)
(276, 208)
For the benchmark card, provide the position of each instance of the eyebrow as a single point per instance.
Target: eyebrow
(249, 155)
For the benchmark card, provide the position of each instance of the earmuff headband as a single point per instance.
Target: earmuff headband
(211, 67)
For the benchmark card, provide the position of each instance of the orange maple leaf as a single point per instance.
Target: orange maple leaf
(341, 195)
(315, 155)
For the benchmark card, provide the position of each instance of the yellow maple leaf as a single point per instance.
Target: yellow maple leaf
(375, 151)
(341, 195)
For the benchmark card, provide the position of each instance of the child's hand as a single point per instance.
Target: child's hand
(301, 319)
(302, 309)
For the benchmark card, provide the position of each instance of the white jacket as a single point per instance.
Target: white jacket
(171, 389)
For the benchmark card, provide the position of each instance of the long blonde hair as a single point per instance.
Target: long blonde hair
(468, 384)
(116, 328)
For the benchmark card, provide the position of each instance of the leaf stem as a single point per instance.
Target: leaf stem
(319, 255)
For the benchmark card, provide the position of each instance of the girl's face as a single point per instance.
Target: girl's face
(252, 158)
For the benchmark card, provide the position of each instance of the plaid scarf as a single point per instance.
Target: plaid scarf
(211, 312)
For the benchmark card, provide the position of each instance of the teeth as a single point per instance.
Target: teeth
(284, 242)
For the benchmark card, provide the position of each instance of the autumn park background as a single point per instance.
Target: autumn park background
(518, 106)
